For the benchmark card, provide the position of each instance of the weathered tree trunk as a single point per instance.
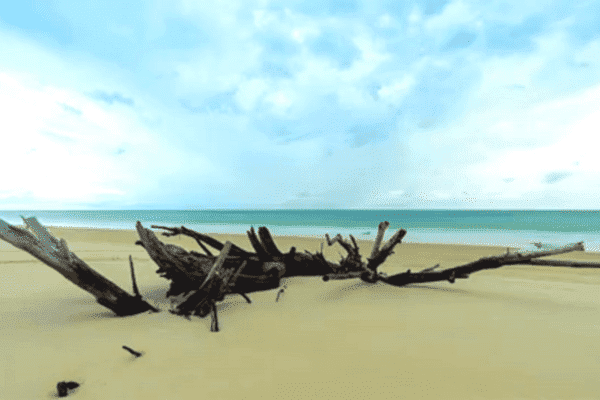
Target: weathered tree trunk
(55, 253)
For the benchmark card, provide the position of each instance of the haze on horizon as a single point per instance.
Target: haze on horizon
(298, 104)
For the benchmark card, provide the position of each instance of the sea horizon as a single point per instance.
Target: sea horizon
(515, 228)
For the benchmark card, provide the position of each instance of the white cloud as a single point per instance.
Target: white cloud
(65, 159)
(475, 127)
(386, 21)
(264, 18)
(249, 92)
(571, 141)
(281, 101)
(396, 91)
(415, 20)
(455, 13)
(373, 54)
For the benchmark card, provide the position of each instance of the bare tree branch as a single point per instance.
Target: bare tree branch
(56, 254)
(463, 271)
(380, 232)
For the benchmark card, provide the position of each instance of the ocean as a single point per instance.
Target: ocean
(515, 228)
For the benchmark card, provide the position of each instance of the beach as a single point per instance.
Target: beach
(518, 332)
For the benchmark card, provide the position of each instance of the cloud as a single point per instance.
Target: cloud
(111, 98)
(556, 176)
(337, 46)
(220, 102)
(72, 162)
(242, 104)
(506, 38)
(58, 137)
(70, 109)
(461, 40)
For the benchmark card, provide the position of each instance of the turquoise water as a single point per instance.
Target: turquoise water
(496, 227)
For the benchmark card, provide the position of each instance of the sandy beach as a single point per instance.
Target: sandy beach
(518, 332)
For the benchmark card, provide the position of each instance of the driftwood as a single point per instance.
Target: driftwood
(269, 264)
(463, 271)
(203, 279)
(55, 253)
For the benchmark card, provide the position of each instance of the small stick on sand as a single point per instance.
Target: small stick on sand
(132, 351)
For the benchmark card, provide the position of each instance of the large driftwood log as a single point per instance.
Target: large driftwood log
(205, 279)
(55, 253)
(260, 268)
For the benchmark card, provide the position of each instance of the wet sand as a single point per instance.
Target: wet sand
(518, 332)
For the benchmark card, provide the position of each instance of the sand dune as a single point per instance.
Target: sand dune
(516, 332)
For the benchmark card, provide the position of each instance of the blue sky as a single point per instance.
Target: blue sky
(299, 104)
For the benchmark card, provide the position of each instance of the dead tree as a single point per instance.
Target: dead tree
(53, 252)
(205, 279)
(269, 264)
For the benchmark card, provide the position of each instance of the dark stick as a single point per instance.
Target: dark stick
(135, 353)
(136, 291)
(280, 293)
(214, 325)
(246, 297)
(564, 263)
(199, 236)
(206, 250)
(64, 387)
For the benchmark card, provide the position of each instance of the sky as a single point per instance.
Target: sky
(297, 104)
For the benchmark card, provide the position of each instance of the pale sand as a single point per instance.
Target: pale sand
(512, 333)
